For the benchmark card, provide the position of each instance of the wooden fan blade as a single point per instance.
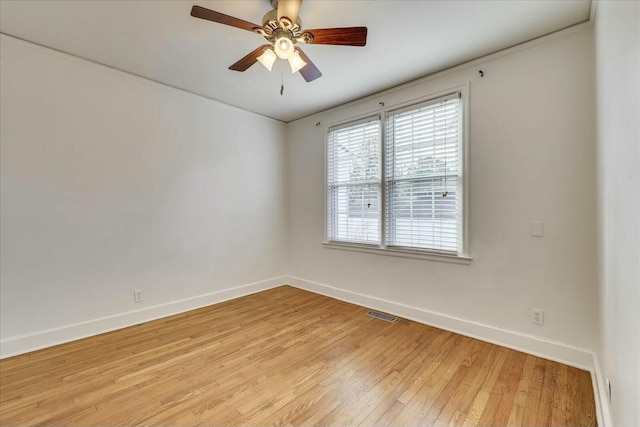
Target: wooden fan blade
(289, 9)
(349, 36)
(246, 62)
(310, 72)
(221, 18)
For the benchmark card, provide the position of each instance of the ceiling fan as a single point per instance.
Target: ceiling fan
(282, 27)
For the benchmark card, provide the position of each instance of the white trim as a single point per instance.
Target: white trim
(402, 253)
(465, 93)
(603, 410)
(537, 346)
(25, 343)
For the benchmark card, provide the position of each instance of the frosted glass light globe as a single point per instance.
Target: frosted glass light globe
(283, 47)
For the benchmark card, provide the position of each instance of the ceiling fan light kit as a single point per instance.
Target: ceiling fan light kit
(282, 28)
(296, 62)
(283, 47)
(267, 58)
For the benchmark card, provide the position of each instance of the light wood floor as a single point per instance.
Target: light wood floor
(289, 357)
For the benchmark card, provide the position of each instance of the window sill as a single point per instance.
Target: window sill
(402, 253)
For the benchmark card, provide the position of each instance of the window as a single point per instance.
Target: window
(414, 203)
(423, 159)
(354, 182)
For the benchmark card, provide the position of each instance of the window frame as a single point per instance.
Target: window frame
(464, 256)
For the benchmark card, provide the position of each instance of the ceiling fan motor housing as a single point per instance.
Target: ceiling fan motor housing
(272, 28)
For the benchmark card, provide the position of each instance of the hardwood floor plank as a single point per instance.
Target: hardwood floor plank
(447, 365)
(493, 402)
(453, 395)
(508, 394)
(387, 401)
(586, 407)
(543, 417)
(288, 357)
(560, 393)
(481, 390)
(534, 393)
(521, 399)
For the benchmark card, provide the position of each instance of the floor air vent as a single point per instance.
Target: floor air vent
(382, 316)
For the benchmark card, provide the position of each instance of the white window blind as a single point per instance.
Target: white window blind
(423, 176)
(354, 182)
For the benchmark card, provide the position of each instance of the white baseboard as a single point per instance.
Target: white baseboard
(602, 399)
(25, 343)
(559, 352)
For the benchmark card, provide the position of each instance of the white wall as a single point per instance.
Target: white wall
(112, 183)
(532, 152)
(618, 138)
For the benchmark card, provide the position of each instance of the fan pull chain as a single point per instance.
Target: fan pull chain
(281, 78)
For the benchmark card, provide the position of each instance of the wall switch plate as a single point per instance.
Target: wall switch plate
(137, 295)
(537, 316)
(537, 229)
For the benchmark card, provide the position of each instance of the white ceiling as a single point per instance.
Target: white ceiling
(159, 40)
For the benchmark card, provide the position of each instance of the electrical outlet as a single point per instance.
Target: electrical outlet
(137, 295)
(537, 316)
